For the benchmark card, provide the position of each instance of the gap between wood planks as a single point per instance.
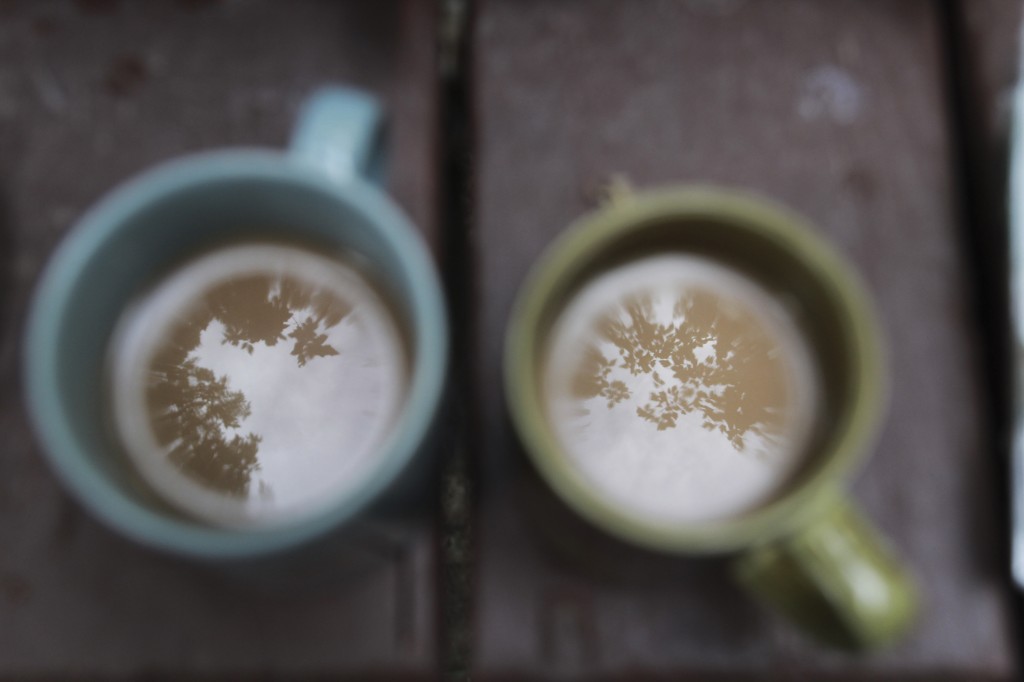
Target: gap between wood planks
(458, 499)
(980, 203)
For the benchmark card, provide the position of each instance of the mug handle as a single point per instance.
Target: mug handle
(835, 578)
(338, 132)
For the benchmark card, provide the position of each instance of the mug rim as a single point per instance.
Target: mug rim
(101, 223)
(586, 239)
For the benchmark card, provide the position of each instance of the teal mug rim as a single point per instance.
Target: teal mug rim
(99, 225)
(586, 238)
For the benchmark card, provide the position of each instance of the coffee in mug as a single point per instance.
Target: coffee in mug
(256, 383)
(680, 388)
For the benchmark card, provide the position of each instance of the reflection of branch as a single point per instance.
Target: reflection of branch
(220, 464)
(192, 408)
(309, 344)
(259, 309)
(734, 384)
(592, 379)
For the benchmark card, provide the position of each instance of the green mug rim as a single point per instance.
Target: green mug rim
(100, 225)
(588, 238)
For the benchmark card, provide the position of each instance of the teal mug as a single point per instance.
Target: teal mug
(320, 194)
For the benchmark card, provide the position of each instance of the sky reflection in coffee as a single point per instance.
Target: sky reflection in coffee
(270, 376)
(680, 389)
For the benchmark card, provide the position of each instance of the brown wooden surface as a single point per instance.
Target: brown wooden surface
(92, 92)
(837, 109)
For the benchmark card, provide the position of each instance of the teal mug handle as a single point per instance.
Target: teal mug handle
(338, 133)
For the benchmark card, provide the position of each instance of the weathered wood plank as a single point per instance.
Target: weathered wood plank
(837, 109)
(90, 93)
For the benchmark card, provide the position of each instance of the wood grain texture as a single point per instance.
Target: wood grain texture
(92, 92)
(836, 109)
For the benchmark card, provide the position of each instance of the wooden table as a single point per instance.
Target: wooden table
(883, 122)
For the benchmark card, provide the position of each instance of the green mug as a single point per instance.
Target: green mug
(321, 194)
(805, 551)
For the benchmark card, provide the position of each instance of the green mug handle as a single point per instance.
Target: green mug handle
(835, 578)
